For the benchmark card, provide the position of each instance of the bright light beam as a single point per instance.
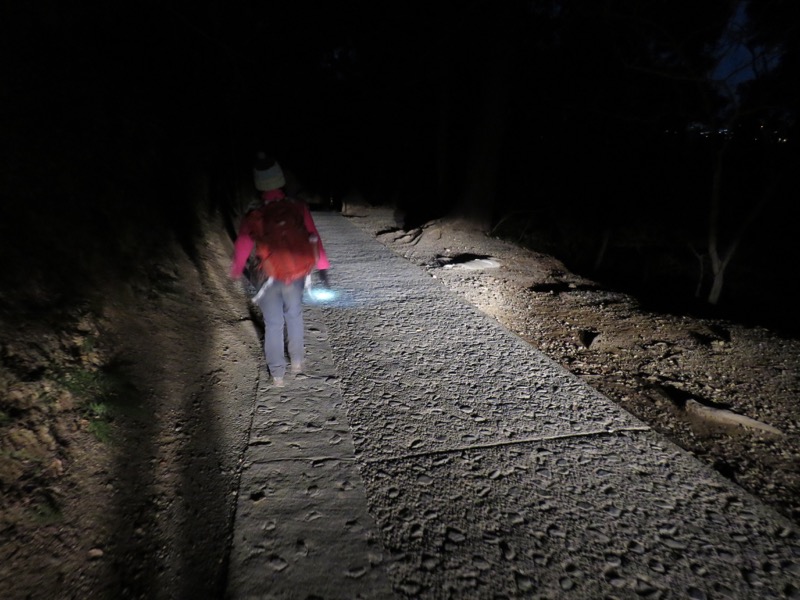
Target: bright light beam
(321, 295)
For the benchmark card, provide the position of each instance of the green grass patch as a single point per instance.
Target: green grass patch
(88, 344)
(88, 385)
(46, 511)
(106, 397)
(102, 429)
(99, 410)
(99, 414)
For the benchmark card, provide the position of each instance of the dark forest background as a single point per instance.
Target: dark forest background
(650, 145)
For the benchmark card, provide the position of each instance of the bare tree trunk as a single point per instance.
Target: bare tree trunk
(601, 253)
(443, 131)
(720, 259)
(717, 264)
(701, 272)
(481, 180)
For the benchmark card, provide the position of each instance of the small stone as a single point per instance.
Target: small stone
(21, 398)
(64, 402)
(95, 553)
(54, 469)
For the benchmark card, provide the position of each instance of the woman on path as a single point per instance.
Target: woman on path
(288, 247)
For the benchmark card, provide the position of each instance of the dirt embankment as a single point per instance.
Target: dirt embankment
(121, 428)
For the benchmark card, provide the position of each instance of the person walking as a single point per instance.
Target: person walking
(287, 248)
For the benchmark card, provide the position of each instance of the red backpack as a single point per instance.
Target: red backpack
(285, 249)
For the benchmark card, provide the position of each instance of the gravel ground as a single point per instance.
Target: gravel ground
(725, 392)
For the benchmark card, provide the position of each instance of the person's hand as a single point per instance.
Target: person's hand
(323, 278)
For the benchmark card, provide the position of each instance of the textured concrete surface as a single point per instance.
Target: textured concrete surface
(432, 454)
(302, 529)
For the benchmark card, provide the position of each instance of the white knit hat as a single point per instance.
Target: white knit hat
(269, 179)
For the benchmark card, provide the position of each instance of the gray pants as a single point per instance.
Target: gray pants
(282, 304)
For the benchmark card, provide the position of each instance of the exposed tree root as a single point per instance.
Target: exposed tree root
(721, 416)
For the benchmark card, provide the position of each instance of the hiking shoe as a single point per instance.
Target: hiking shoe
(297, 368)
(278, 381)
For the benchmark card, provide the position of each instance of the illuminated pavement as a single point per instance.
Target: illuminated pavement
(430, 453)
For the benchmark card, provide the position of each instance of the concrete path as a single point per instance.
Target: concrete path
(430, 453)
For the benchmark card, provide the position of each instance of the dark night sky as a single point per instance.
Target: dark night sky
(360, 89)
(328, 83)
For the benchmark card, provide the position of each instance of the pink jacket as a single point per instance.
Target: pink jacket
(244, 243)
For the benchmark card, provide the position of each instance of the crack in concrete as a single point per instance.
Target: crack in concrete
(533, 440)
